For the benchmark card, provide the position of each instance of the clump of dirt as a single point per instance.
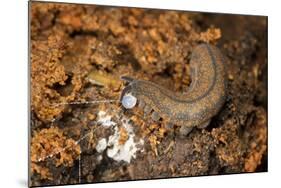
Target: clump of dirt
(79, 52)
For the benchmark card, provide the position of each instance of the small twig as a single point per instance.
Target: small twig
(169, 147)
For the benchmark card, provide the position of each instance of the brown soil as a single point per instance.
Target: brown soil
(78, 53)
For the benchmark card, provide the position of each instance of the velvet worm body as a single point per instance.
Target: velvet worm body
(199, 104)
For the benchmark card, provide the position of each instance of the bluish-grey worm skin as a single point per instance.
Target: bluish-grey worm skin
(202, 101)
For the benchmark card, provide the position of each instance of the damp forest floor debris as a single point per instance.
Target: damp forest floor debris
(79, 52)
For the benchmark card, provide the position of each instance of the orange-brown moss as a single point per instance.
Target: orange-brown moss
(211, 35)
(123, 135)
(43, 171)
(257, 143)
(46, 74)
(52, 144)
(229, 149)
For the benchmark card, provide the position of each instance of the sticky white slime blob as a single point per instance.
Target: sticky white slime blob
(129, 101)
(119, 152)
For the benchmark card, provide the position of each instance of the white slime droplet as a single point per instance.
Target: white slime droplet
(129, 101)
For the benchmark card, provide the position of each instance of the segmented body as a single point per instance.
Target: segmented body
(199, 104)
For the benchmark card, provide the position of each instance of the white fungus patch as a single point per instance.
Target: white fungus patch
(105, 120)
(99, 158)
(101, 146)
(124, 152)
